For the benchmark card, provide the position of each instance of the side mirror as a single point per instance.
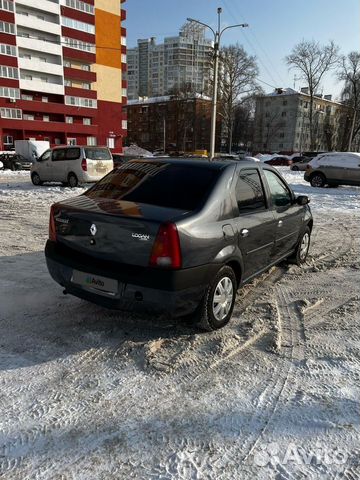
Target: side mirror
(302, 200)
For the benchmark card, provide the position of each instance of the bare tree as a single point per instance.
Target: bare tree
(313, 60)
(237, 79)
(349, 72)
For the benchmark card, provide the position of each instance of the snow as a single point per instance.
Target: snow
(135, 150)
(89, 393)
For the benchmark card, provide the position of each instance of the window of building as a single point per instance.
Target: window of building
(124, 92)
(7, 5)
(9, 92)
(44, 99)
(6, 27)
(57, 141)
(69, 119)
(46, 118)
(283, 114)
(306, 104)
(267, 114)
(80, 102)
(78, 44)
(67, 82)
(124, 124)
(86, 67)
(91, 141)
(8, 140)
(86, 121)
(123, 58)
(281, 145)
(13, 113)
(86, 86)
(71, 141)
(77, 25)
(67, 63)
(281, 134)
(9, 50)
(27, 77)
(79, 5)
(110, 142)
(9, 72)
(28, 116)
(44, 79)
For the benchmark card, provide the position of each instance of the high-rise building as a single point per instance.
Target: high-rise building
(156, 70)
(62, 65)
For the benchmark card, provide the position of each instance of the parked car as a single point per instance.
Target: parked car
(15, 161)
(72, 165)
(300, 165)
(179, 236)
(279, 162)
(1, 165)
(334, 169)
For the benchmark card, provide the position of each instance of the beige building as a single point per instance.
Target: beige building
(282, 122)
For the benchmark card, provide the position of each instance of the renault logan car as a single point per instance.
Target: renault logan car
(179, 236)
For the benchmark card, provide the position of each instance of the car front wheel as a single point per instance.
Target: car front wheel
(217, 306)
(317, 180)
(302, 248)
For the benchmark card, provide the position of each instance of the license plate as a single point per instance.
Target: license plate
(97, 282)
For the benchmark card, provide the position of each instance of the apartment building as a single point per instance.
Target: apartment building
(282, 122)
(155, 70)
(62, 65)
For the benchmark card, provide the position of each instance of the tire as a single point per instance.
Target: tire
(36, 180)
(317, 180)
(210, 315)
(73, 180)
(13, 167)
(302, 248)
(295, 169)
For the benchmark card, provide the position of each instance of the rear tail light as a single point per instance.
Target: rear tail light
(166, 251)
(84, 164)
(52, 226)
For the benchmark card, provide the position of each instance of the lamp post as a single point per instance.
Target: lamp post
(217, 37)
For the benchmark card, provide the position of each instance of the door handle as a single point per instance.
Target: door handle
(244, 232)
(280, 223)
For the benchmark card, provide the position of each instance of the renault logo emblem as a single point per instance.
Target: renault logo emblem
(93, 229)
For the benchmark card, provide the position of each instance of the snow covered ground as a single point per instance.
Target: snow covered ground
(88, 393)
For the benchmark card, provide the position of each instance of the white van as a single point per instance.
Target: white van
(72, 165)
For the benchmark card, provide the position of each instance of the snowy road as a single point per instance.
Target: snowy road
(88, 393)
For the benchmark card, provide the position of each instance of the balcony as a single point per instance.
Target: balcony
(38, 66)
(30, 21)
(39, 45)
(45, 5)
(77, 74)
(38, 86)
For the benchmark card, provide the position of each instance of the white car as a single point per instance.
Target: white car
(1, 165)
(333, 169)
(72, 165)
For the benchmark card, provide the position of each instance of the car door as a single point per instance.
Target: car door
(254, 224)
(287, 214)
(43, 166)
(58, 165)
(352, 169)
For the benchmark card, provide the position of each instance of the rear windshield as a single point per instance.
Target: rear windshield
(169, 185)
(98, 154)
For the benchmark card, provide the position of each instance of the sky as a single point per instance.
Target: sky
(275, 26)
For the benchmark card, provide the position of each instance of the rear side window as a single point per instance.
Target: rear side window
(72, 153)
(249, 192)
(98, 154)
(169, 185)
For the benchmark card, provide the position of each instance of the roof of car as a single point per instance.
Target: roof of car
(198, 162)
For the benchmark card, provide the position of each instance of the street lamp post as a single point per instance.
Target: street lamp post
(217, 37)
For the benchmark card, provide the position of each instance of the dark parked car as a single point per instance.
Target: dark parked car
(280, 162)
(14, 161)
(176, 235)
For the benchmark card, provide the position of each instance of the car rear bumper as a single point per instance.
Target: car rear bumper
(176, 292)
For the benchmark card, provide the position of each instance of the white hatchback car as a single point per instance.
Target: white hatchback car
(72, 165)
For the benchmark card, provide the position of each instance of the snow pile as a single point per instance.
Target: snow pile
(136, 151)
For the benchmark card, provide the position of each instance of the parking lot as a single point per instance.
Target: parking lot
(89, 393)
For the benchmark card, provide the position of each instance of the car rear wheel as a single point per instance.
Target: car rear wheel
(217, 306)
(295, 169)
(36, 180)
(317, 180)
(72, 180)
